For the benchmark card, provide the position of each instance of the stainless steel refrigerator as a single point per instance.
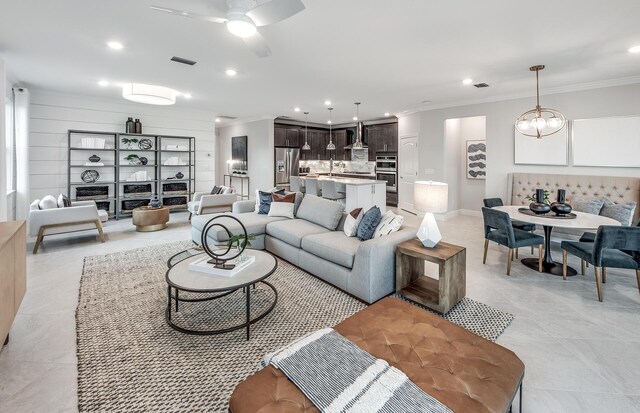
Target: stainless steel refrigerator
(287, 163)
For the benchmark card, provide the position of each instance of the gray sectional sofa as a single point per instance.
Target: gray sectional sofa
(315, 242)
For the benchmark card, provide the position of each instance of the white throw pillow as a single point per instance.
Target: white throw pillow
(281, 209)
(48, 202)
(389, 223)
(60, 201)
(352, 221)
(227, 190)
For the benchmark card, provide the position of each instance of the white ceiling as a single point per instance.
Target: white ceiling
(390, 55)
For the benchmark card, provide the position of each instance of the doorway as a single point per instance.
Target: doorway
(407, 171)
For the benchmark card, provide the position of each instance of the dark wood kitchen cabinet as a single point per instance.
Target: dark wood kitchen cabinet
(340, 140)
(286, 136)
(382, 138)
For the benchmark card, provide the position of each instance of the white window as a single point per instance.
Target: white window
(11, 147)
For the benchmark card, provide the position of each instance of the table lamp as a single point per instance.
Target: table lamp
(430, 197)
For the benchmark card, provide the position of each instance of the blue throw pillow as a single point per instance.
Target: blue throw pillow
(265, 201)
(369, 223)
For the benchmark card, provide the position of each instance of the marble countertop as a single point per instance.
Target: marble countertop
(350, 181)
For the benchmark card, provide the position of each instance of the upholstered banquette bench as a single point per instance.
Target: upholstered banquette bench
(463, 371)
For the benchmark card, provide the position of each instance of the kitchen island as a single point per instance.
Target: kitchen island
(360, 193)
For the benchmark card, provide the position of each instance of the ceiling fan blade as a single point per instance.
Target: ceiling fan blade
(191, 15)
(274, 11)
(258, 45)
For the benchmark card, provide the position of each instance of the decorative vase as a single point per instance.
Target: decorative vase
(561, 196)
(179, 175)
(155, 203)
(138, 126)
(560, 207)
(539, 207)
(143, 160)
(130, 126)
(94, 158)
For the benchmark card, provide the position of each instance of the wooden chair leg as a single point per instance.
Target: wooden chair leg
(486, 246)
(582, 266)
(540, 258)
(100, 233)
(638, 278)
(38, 240)
(564, 264)
(509, 261)
(597, 272)
(604, 275)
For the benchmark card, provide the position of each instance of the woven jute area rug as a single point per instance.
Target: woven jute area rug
(130, 360)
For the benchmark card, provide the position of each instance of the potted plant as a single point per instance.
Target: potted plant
(133, 159)
(129, 141)
(240, 242)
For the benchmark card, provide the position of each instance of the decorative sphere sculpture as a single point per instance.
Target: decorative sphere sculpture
(145, 144)
(90, 176)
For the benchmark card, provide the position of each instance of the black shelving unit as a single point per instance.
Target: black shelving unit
(120, 169)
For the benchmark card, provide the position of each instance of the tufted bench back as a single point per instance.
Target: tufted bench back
(619, 189)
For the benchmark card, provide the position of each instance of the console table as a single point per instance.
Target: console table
(13, 273)
(438, 294)
(243, 178)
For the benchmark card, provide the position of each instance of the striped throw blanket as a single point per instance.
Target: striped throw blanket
(338, 376)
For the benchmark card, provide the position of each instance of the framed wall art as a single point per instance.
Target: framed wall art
(476, 159)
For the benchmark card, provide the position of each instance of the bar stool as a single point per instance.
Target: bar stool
(294, 184)
(312, 187)
(329, 191)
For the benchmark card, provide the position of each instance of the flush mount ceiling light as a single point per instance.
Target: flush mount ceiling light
(634, 49)
(149, 94)
(467, 81)
(115, 45)
(231, 72)
(540, 121)
(331, 146)
(306, 146)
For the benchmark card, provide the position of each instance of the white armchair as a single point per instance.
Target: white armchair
(204, 203)
(81, 216)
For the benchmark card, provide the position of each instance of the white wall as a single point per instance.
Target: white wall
(260, 152)
(601, 102)
(52, 115)
(4, 200)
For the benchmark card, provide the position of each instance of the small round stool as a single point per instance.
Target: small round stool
(148, 219)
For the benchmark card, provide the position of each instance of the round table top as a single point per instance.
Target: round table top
(179, 276)
(582, 220)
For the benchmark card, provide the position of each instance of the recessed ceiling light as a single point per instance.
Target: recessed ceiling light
(296, 109)
(187, 95)
(355, 118)
(103, 83)
(329, 122)
(327, 102)
(386, 114)
(115, 45)
(467, 81)
(634, 49)
(218, 120)
(231, 72)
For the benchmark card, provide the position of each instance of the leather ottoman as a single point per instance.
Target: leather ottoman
(462, 370)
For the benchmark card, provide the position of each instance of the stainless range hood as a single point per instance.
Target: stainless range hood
(358, 144)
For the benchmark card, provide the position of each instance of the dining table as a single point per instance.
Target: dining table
(577, 220)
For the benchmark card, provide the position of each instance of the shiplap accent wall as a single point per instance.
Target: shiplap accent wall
(52, 115)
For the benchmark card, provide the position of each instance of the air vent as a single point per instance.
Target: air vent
(183, 61)
(284, 117)
(226, 117)
(481, 85)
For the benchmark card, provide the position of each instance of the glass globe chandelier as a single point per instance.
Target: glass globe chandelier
(331, 146)
(306, 146)
(540, 122)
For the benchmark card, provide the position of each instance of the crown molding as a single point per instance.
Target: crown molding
(240, 121)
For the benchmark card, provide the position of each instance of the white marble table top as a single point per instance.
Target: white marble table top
(583, 220)
(181, 277)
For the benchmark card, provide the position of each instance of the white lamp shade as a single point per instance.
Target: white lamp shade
(149, 94)
(430, 196)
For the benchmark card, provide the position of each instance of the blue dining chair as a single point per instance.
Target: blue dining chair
(498, 228)
(525, 226)
(613, 247)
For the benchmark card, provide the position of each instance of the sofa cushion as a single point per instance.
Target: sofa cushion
(389, 223)
(623, 213)
(352, 221)
(254, 223)
(588, 205)
(369, 223)
(292, 231)
(48, 202)
(266, 199)
(281, 209)
(321, 211)
(333, 246)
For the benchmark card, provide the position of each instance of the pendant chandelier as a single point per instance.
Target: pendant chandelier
(358, 143)
(540, 121)
(331, 146)
(306, 146)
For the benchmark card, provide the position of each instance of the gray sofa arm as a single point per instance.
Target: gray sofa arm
(243, 207)
(374, 268)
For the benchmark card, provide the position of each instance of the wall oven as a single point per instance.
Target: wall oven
(390, 178)
(387, 163)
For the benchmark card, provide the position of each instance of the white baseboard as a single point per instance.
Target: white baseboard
(470, 212)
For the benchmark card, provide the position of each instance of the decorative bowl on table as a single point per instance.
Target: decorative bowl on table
(539, 208)
(561, 209)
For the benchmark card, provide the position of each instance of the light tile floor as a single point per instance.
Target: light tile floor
(580, 355)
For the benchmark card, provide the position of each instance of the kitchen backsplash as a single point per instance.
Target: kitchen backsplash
(349, 166)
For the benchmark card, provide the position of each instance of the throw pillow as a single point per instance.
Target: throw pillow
(389, 223)
(588, 205)
(265, 201)
(215, 190)
(623, 213)
(227, 190)
(369, 223)
(321, 211)
(281, 209)
(257, 208)
(290, 197)
(48, 202)
(66, 201)
(352, 221)
(60, 201)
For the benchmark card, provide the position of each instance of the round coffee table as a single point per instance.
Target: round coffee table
(582, 220)
(148, 219)
(180, 278)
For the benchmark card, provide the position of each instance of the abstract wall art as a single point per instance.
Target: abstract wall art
(476, 159)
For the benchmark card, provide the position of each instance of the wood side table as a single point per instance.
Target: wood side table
(148, 219)
(438, 294)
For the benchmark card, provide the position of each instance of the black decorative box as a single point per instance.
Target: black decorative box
(131, 204)
(175, 188)
(137, 190)
(105, 206)
(175, 202)
(85, 193)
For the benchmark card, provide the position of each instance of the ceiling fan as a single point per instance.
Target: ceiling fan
(242, 17)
